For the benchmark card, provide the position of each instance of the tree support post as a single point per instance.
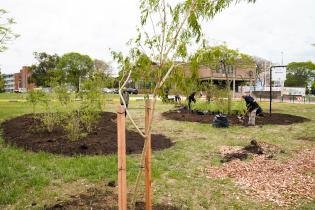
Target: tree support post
(148, 190)
(121, 143)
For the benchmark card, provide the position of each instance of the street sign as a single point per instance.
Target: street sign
(279, 74)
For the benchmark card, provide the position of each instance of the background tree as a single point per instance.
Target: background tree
(299, 74)
(221, 58)
(262, 68)
(76, 67)
(6, 33)
(103, 72)
(102, 67)
(43, 71)
(142, 73)
(313, 88)
(184, 79)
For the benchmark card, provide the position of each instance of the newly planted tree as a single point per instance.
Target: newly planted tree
(165, 31)
(72, 126)
(51, 118)
(92, 101)
(35, 97)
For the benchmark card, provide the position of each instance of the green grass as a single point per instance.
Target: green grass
(9, 96)
(27, 177)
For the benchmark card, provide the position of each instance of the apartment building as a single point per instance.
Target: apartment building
(18, 82)
(8, 82)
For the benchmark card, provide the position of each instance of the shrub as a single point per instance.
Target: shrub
(220, 106)
(239, 107)
(89, 116)
(50, 119)
(35, 97)
(72, 126)
(91, 105)
(63, 95)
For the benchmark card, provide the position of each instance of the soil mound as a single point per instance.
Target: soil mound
(254, 148)
(22, 132)
(274, 119)
(98, 199)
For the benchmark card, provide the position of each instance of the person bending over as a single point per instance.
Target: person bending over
(253, 109)
(191, 98)
(125, 96)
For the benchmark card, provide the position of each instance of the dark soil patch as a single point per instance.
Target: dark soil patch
(254, 148)
(274, 119)
(101, 199)
(306, 138)
(22, 132)
(241, 155)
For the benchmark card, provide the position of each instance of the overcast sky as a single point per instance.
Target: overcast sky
(92, 27)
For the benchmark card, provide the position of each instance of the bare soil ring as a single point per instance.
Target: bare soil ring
(23, 132)
(274, 119)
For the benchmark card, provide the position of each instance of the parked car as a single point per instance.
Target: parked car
(110, 90)
(115, 90)
(107, 90)
(132, 90)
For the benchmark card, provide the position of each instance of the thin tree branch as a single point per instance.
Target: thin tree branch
(179, 30)
(124, 102)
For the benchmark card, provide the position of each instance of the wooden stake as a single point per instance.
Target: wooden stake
(148, 190)
(121, 142)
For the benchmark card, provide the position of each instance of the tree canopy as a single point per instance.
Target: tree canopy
(223, 59)
(76, 67)
(299, 74)
(42, 71)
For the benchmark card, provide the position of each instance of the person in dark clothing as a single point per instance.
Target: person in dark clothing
(177, 98)
(252, 105)
(191, 98)
(125, 96)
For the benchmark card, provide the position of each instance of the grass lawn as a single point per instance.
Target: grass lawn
(41, 178)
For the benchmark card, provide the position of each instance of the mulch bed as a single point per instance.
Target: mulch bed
(274, 119)
(101, 199)
(285, 184)
(22, 132)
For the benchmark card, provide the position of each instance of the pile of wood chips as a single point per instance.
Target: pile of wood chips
(285, 184)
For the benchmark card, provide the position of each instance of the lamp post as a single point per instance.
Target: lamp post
(270, 88)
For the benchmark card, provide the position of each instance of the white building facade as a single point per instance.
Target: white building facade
(9, 82)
